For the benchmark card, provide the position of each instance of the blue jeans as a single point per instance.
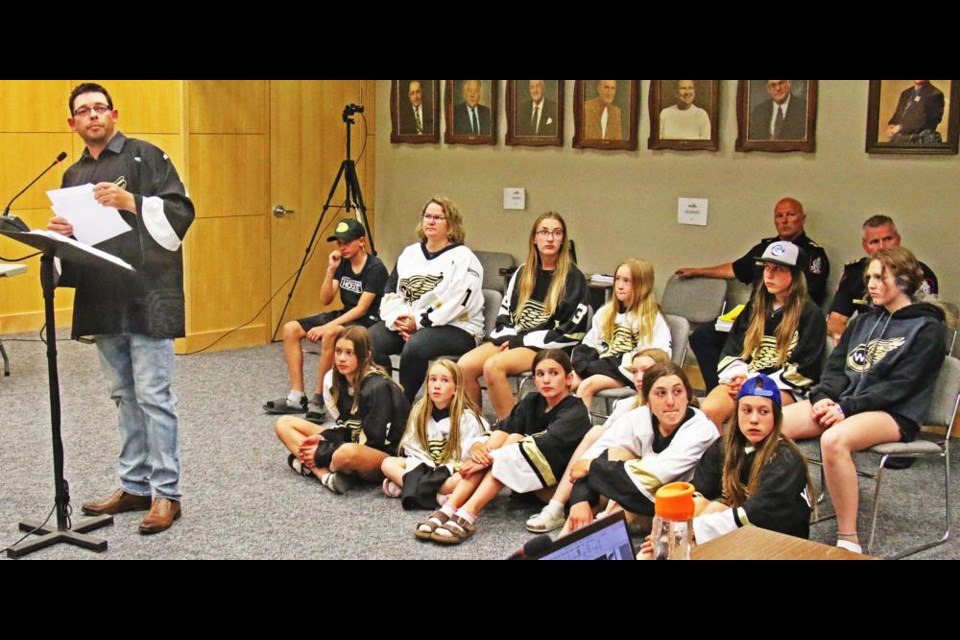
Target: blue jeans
(139, 371)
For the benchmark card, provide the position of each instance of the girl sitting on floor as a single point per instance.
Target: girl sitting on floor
(443, 425)
(370, 411)
(527, 452)
(552, 516)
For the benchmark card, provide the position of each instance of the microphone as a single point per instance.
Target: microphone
(532, 547)
(13, 223)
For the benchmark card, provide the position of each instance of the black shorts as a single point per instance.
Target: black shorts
(327, 316)
(908, 428)
(605, 367)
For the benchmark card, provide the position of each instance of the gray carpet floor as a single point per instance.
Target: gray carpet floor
(240, 498)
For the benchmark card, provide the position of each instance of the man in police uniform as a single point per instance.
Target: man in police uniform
(789, 219)
(133, 317)
(879, 232)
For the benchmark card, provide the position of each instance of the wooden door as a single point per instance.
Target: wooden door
(307, 148)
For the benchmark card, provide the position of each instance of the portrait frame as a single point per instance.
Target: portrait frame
(402, 118)
(455, 127)
(520, 131)
(627, 101)
(884, 106)
(663, 97)
(755, 115)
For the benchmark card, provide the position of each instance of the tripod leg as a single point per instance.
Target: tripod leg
(353, 185)
(306, 253)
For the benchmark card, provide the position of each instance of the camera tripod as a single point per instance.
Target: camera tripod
(352, 201)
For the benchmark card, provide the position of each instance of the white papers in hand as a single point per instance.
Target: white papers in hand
(92, 222)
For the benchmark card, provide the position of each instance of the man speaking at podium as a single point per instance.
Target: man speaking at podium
(133, 317)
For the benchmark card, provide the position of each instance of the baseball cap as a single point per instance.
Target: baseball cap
(781, 252)
(760, 385)
(348, 230)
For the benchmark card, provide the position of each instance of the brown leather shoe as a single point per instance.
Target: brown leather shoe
(163, 513)
(119, 502)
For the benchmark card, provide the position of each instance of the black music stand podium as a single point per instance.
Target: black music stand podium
(68, 251)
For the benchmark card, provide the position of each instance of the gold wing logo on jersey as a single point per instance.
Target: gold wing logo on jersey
(867, 356)
(624, 341)
(767, 356)
(436, 450)
(531, 316)
(357, 436)
(415, 287)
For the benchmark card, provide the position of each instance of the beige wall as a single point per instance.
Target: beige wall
(620, 204)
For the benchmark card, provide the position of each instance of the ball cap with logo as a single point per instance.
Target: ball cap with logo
(762, 386)
(781, 252)
(348, 230)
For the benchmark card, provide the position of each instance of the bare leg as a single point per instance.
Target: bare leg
(719, 406)
(327, 344)
(495, 372)
(359, 459)
(798, 422)
(594, 385)
(450, 484)
(293, 333)
(393, 469)
(486, 492)
(565, 487)
(293, 431)
(855, 433)
(471, 365)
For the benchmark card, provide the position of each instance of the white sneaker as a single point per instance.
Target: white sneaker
(849, 546)
(545, 521)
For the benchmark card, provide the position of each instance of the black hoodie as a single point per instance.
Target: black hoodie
(886, 363)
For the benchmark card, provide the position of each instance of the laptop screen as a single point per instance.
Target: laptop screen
(605, 539)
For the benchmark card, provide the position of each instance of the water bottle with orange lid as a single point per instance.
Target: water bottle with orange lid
(672, 533)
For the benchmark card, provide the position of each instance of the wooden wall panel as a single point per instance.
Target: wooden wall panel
(34, 105)
(229, 277)
(145, 106)
(228, 106)
(228, 174)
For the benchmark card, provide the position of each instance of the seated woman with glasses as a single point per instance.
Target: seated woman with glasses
(432, 305)
(544, 307)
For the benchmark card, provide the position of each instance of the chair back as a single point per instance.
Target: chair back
(699, 300)
(679, 336)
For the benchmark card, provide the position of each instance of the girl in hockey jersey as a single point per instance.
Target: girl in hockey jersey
(544, 307)
(631, 321)
(433, 304)
(781, 333)
(443, 425)
(753, 476)
(527, 452)
(552, 516)
(370, 412)
(654, 445)
(878, 384)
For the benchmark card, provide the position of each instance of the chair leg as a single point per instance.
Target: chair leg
(876, 501)
(6, 360)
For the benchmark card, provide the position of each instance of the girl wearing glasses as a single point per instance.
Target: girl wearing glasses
(544, 307)
(433, 304)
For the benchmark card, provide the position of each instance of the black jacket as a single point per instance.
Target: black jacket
(886, 363)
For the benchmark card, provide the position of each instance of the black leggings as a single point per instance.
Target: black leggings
(425, 345)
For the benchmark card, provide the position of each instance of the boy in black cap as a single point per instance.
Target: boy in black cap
(361, 278)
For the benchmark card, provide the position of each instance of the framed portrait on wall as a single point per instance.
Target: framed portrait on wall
(471, 108)
(684, 114)
(777, 115)
(415, 111)
(605, 114)
(535, 112)
(913, 117)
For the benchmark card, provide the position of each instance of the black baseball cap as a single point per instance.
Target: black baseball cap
(348, 230)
